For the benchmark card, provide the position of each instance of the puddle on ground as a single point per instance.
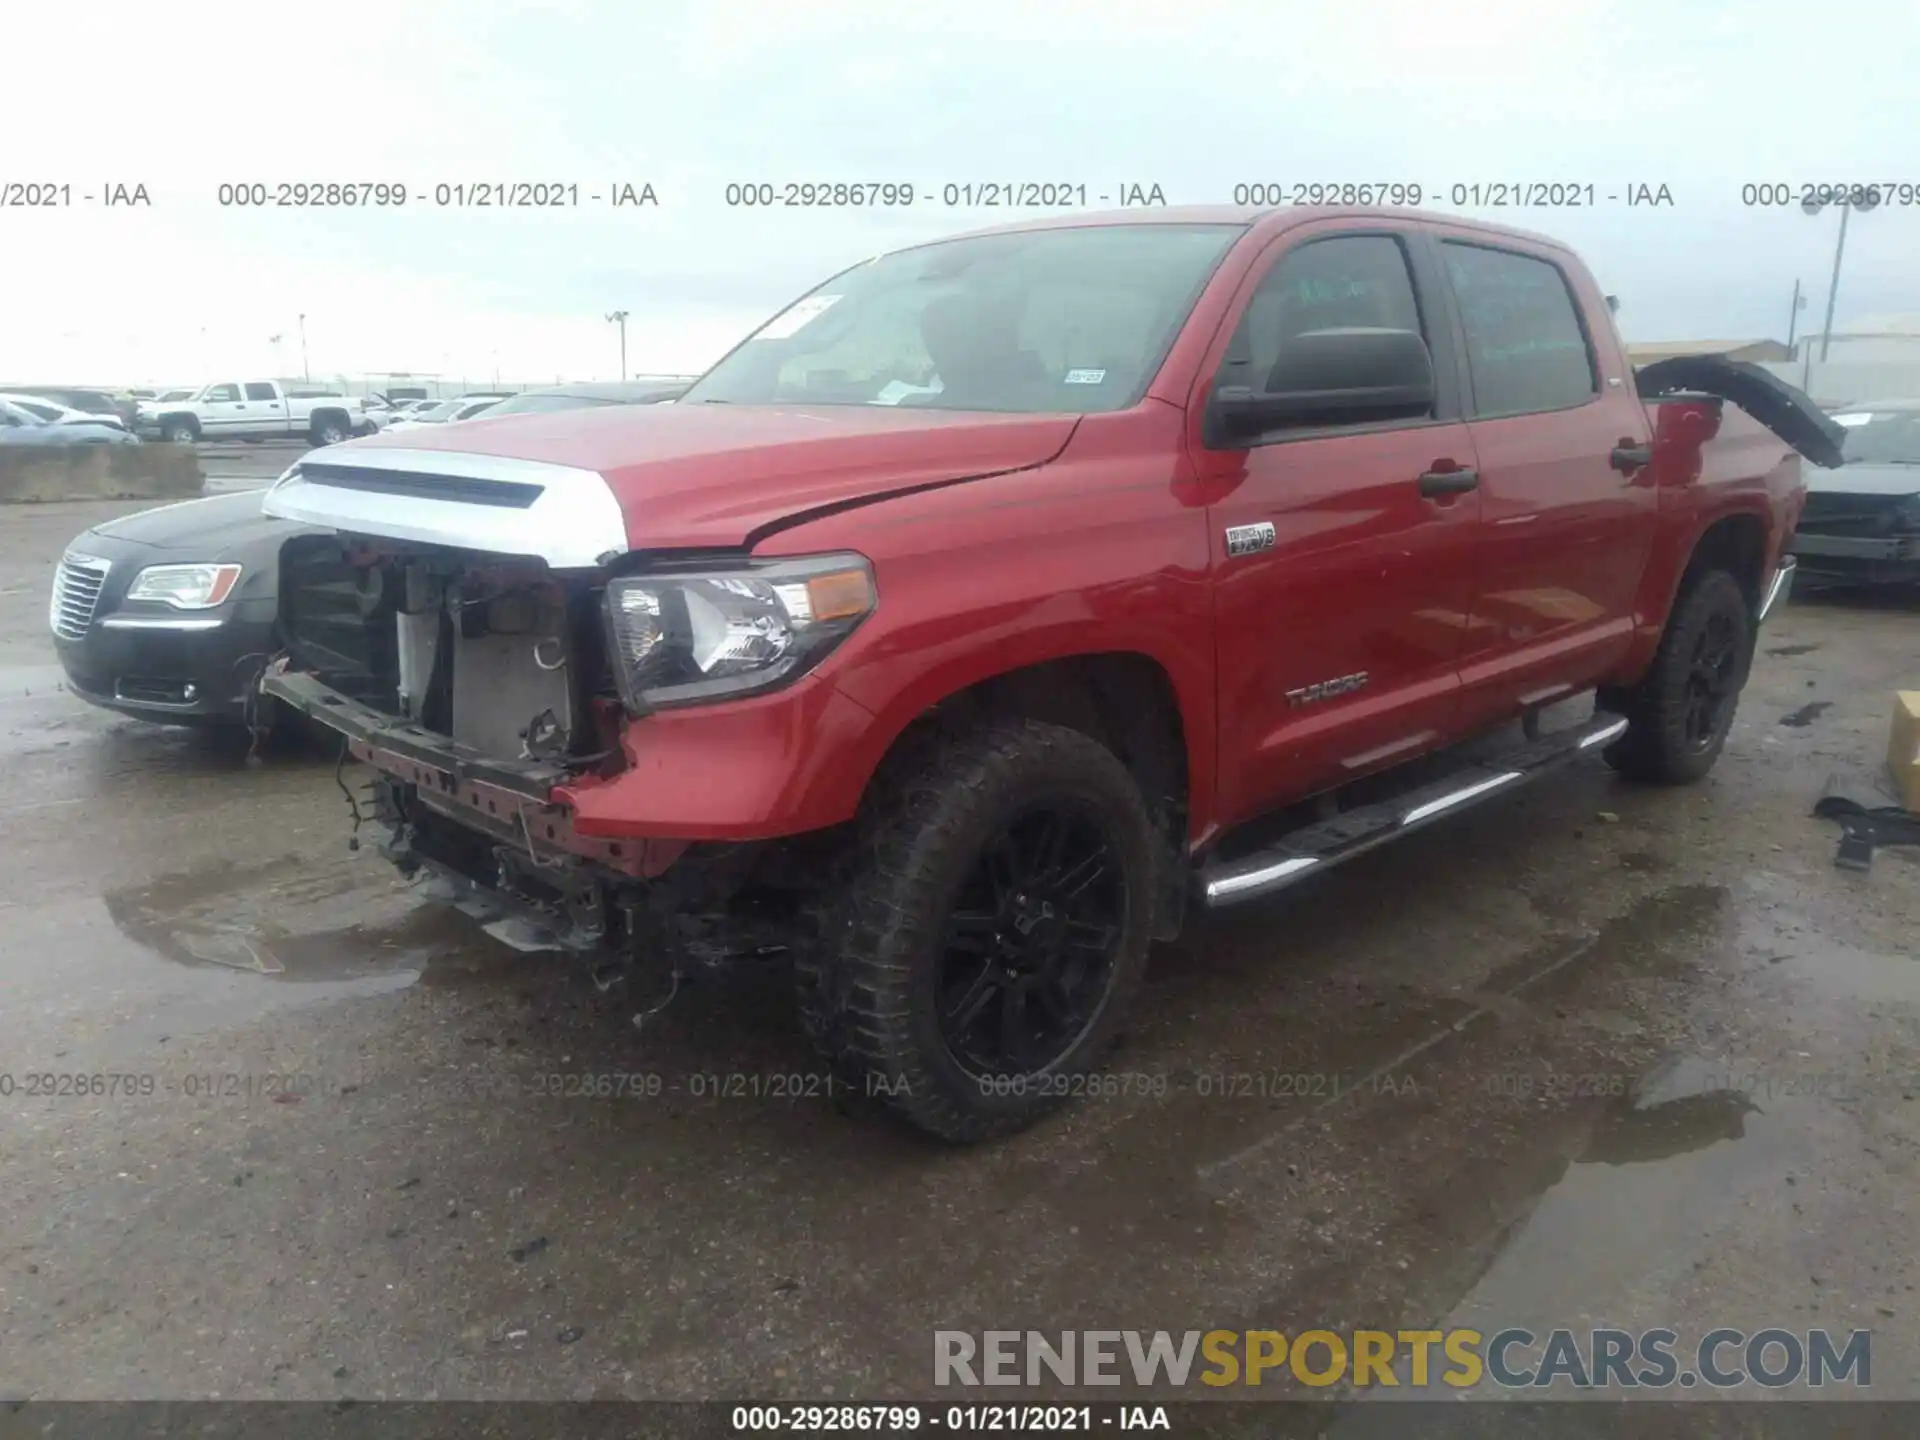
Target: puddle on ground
(1611, 1229)
(1662, 935)
(1802, 954)
(293, 919)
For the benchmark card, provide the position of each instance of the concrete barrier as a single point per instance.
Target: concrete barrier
(42, 473)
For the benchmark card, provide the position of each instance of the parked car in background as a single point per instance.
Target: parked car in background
(255, 410)
(1008, 599)
(447, 411)
(52, 412)
(587, 395)
(94, 402)
(1862, 521)
(170, 614)
(22, 427)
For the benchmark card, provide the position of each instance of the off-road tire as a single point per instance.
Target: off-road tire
(1656, 746)
(867, 965)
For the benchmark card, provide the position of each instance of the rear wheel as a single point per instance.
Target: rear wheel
(1680, 713)
(992, 918)
(329, 430)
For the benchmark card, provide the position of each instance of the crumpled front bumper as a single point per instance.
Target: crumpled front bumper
(509, 802)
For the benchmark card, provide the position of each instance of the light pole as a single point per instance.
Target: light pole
(305, 373)
(1862, 198)
(1793, 314)
(619, 317)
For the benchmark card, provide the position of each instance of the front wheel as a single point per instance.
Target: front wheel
(180, 432)
(1679, 714)
(994, 916)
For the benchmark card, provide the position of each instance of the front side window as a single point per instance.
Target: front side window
(222, 392)
(1341, 282)
(1073, 320)
(1526, 350)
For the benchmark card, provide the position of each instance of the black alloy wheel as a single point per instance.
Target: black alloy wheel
(1031, 944)
(1713, 679)
(973, 948)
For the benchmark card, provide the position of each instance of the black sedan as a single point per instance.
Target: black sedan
(1862, 521)
(169, 614)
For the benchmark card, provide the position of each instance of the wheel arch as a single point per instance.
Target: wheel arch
(1738, 539)
(1127, 700)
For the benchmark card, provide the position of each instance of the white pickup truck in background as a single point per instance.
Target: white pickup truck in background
(256, 410)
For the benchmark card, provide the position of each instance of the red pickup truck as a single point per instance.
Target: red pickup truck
(1005, 597)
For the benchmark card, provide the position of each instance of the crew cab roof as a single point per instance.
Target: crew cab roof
(1268, 220)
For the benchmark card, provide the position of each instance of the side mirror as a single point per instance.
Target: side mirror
(1328, 377)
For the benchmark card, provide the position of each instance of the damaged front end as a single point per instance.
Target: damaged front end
(474, 685)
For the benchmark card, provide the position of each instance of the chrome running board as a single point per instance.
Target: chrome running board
(1315, 847)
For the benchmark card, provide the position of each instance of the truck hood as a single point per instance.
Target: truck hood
(209, 527)
(1785, 409)
(645, 477)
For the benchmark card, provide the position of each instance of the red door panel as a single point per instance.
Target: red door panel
(1367, 577)
(1337, 645)
(1565, 535)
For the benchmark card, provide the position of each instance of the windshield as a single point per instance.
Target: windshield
(540, 404)
(442, 411)
(178, 395)
(1074, 320)
(1882, 437)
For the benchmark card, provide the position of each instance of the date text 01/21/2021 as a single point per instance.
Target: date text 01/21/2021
(1013, 1419)
(1461, 195)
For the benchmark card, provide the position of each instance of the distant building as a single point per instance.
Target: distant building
(1875, 358)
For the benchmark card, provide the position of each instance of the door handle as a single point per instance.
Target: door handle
(1628, 457)
(1449, 482)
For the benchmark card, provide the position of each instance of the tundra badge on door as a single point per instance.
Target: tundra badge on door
(1327, 689)
(1246, 539)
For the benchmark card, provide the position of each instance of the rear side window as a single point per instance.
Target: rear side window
(1348, 280)
(258, 390)
(1525, 348)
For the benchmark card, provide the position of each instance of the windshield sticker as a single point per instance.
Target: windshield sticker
(1859, 417)
(1084, 377)
(790, 321)
(894, 391)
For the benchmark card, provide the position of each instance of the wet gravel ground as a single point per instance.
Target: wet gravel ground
(1395, 1099)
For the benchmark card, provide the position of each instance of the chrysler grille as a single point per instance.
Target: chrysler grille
(76, 590)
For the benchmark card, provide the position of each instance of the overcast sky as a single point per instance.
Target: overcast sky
(688, 95)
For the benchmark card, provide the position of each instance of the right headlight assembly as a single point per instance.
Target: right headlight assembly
(683, 637)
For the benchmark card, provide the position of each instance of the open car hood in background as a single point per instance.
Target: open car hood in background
(1786, 410)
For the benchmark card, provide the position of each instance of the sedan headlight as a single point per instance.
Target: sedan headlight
(185, 587)
(687, 636)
